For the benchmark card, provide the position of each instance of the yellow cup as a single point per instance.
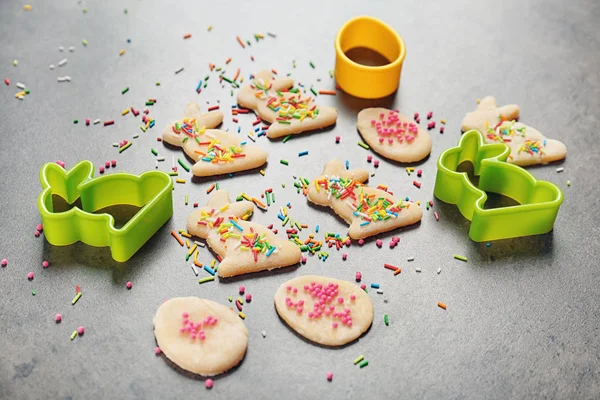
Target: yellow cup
(361, 80)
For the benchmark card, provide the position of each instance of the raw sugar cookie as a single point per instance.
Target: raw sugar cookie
(200, 336)
(324, 310)
(288, 110)
(393, 135)
(528, 146)
(369, 211)
(215, 151)
(244, 246)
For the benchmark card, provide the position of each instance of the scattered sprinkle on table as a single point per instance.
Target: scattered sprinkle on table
(441, 305)
(459, 257)
(359, 359)
(386, 319)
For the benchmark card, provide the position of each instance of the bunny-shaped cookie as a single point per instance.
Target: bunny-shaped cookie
(369, 211)
(215, 151)
(287, 110)
(499, 125)
(244, 246)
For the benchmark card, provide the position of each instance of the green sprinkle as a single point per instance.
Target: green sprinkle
(27, 91)
(173, 173)
(288, 137)
(386, 319)
(364, 145)
(364, 364)
(125, 90)
(217, 186)
(284, 162)
(284, 122)
(461, 258)
(76, 298)
(157, 83)
(187, 198)
(149, 103)
(313, 91)
(73, 335)
(207, 279)
(268, 199)
(331, 73)
(15, 62)
(154, 152)
(568, 183)
(183, 165)
(33, 292)
(312, 65)
(123, 148)
(359, 359)
(226, 79)
(75, 121)
(230, 299)
(84, 42)
(187, 256)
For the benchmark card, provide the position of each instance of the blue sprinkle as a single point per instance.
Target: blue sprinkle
(271, 250)
(281, 217)
(257, 129)
(199, 85)
(406, 198)
(152, 124)
(364, 223)
(243, 143)
(239, 130)
(209, 270)
(488, 244)
(230, 175)
(234, 106)
(303, 153)
(375, 285)
(317, 228)
(239, 228)
(347, 164)
(128, 40)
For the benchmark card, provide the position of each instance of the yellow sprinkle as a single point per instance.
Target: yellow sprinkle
(187, 244)
(185, 234)
(242, 316)
(262, 172)
(180, 180)
(443, 121)
(193, 249)
(125, 111)
(210, 28)
(568, 183)
(478, 101)
(27, 7)
(419, 202)
(122, 52)
(225, 207)
(212, 264)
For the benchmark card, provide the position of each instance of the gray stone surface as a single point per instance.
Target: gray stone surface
(523, 315)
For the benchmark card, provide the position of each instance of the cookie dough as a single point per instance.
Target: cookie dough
(288, 110)
(244, 246)
(369, 211)
(199, 335)
(324, 310)
(393, 135)
(528, 146)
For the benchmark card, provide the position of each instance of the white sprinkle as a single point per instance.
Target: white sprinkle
(410, 259)
(194, 270)
(173, 162)
(19, 97)
(61, 48)
(96, 121)
(264, 334)
(62, 62)
(560, 169)
(179, 70)
(20, 85)
(71, 49)
(51, 66)
(64, 79)
(199, 243)
(137, 135)
(160, 159)
(439, 271)
(272, 34)
(156, 166)
(418, 269)
(380, 291)
(116, 145)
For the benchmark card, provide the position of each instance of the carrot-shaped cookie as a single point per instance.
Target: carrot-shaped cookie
(285, 108)
(215, 151)
(528, 146)
(243, 246)
(369, 211)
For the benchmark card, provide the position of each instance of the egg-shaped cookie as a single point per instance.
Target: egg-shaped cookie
(324, 310)
(199, 335)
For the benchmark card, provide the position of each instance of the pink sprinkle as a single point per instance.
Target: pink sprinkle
(303, 259)
(379, 243)
(101, 169)
(157, 351)
(334, 325)
(330, 376)
(416, 115)
(129, 285)
(361, 242)
(208, 383)
(340, 300)
(349, 323)
(87, 121)
(58, 318)
(39, 227)
(45, 264)
(358, 276)
(441, 129)
(242, 289)
(352, 297)
(419, 172)
(418, 120)
(363, 286)
(4, 262)
(185, 315)
(81, 330)
(344, 256)
(107, 163)
(429, 114)
(30, 276)
(288, 288)
(369, 158)
(294, 290)
(113, 163)
(337, 139)
(376, 163)
(299, 310)
(348, 242)
(248, 298)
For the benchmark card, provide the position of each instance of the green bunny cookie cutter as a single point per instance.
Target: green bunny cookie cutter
(152, 191)
(538, 200)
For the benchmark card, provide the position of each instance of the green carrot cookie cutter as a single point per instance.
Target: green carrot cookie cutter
(152, 191)
(538, 200)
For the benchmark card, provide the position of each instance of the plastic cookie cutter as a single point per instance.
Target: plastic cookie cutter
(152, 191)
(364, 81)
(539, 201)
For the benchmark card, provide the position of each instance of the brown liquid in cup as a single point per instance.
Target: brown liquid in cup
(367, 57)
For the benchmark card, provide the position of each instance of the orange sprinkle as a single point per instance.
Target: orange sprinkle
(274, 71)
(396, 272)
(259, 203)
(240, 42)
(441, 305)
(237, 74)
(187, 36)
(210, 189)
(228, 60)
(176, 236)
(211, 66)
(331, 92)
